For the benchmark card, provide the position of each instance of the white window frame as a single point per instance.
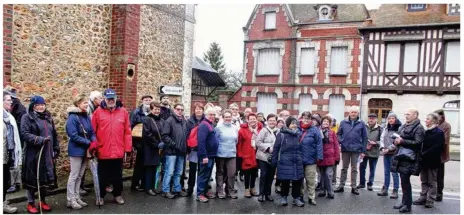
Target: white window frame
(452, 59)
(264, 71)
(308, 63)
(411, 54)
(334, 70)
(392, 59)
(267, 18)
(338, 116)
(304, 105)
(417, 6)
(267, 108)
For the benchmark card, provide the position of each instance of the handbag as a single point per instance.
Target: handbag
(406, 154)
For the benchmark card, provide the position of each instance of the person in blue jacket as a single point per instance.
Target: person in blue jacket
(81, 136)
(287, 157)
(311, 144)
(352, 135)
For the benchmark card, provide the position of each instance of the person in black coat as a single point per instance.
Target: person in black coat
(192, 157)
(430, 155)
(410, 137)
(152, 125)
(38, 132)
(137, 116)
(166, 110)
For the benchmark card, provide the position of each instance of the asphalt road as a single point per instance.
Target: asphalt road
(366, 203)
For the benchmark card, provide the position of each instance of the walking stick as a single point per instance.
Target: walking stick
(38, 177)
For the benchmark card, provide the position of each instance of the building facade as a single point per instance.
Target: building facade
(302, 58)
(412, 59)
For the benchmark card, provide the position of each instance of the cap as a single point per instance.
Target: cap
(109, 94)
(372, 115)
(147, 96)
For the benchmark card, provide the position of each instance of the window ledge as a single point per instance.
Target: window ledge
(392, 73)
(338, 75)
(270, 29)
(266, 75)
(410, 73)
(307, 75)
(452, 73)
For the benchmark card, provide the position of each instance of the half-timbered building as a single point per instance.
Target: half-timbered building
(412, 59)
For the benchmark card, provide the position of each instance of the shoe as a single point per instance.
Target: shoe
(261, 198)
(242, 178)
(312, 202)
(383, 192)
(100, 202)
(269, 198)
(254, 192)
(429, 204)
(339, 189)
(354, 191)
(119, 200)
(82, 192)
(419, 202)
(12, 189)
(169, 195)
(210, 195)
(151, 193)
(405, 209)
(321, 194)
(109, 189)
(140, 189)
(82, 203)
(45, 207)
(330, 196)
(74, 205)
(31, 208)
(221, 195)
(394, 194)
(369, 187)
(183, 193)
(283, 201)
(439, 198)
(247, 193)
(9, 209)
(277, 189)
(297, 202)
(202, 198)
(234, 195)
(398, 206)
(361, 186)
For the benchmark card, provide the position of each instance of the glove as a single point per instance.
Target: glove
(93, 146)
(161, 145)
(46, 140)
(337, 162)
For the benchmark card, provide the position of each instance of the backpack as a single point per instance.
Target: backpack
(192, 141)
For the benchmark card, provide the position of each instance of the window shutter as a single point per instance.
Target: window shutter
(338, 60)
(411, 57)
(393, 57)
(270, 22)
(453, 55)
(307, 61)
(268, 62)
(267, 103)
(337, 107)
(306, 103)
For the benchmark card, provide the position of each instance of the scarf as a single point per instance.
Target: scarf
(10, 131)
(325, 135)
(305, 126)
(431, 127)
(273, 131)
(42, 115)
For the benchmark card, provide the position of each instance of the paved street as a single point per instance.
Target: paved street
(368, 202)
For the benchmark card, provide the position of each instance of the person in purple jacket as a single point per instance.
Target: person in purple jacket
(207, 152)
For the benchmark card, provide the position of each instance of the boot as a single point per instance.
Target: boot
(283, 201)
(32, 209)
(254, 192)
(247, 193)
(383, 192)
(9, 209)
(394, 194)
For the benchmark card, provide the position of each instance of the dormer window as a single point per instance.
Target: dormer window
(270, 21)
(326, 12)
(454, 9)
(416, 7)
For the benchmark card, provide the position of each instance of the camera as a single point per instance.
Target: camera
(395, 135)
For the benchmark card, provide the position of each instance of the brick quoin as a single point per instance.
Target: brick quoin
(7, 43)
(124, 50)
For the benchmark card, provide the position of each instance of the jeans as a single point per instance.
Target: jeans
(407, 189)
(110, 172)
(225, 173)
(387, 160)
(78, 165)
(204, 175)
(362, 170)
(326, 179)
(296, 188)
(349, 158)
(266, 177)
(440, 180)
(173, 170)
(150, 177)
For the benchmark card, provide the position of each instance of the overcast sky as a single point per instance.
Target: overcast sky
(222, 23)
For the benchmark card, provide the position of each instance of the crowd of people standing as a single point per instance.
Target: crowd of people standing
(300, 153)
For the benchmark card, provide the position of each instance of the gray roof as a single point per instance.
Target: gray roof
(305, 13)
(201, 65)
(209, 75)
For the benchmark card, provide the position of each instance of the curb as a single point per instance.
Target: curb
(54, 192)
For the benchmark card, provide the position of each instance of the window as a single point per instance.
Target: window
(453, 55)
(393, 57)
(452, 115)
(416, 7)
(267, 103)
(307, 61)
(382, 108)
(337, 106)
(306, 103)
(411, 57)
(338, 60)
(270, 22)
(268, 62)
(324, 13)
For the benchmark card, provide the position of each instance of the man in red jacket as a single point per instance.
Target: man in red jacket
(112, 127)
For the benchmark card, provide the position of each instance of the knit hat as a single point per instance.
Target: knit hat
(391, 114)
(10, 90)
(290, 120)
(37, 100)
(317, 118)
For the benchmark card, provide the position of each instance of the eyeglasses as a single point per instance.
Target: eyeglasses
(179, 109)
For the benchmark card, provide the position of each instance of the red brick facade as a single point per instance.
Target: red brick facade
(7, 42)
(289, 84)
(125, 28)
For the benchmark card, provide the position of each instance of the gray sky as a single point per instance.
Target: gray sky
(222, 23)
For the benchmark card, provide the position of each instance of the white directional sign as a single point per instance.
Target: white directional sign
(171, 90)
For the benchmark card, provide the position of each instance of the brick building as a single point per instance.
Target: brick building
(302, 57)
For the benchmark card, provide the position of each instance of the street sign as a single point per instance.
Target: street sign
(171, 90)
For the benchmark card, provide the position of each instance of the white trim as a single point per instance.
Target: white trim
(263, 45)
(307, 44)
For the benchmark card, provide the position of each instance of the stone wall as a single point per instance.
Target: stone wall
(161, 49)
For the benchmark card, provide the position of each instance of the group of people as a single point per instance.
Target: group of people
(301, 154)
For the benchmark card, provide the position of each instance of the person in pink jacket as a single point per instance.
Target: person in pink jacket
(112, 127)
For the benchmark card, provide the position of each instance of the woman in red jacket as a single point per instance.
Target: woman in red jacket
(246, 150)
(331, 151)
